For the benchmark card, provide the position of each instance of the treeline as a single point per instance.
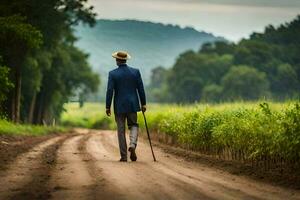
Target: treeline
(40, 68)
(267, 65)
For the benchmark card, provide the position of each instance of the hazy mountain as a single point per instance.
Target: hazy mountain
(150, 44)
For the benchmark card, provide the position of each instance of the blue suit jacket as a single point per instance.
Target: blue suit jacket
(126, 85)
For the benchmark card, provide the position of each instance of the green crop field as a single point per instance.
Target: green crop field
(259, 133)
(91, 115)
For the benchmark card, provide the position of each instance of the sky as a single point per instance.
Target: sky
(232, 19)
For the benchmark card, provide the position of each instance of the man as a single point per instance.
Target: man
(126, 86)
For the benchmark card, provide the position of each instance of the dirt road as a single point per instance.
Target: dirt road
(85, 166)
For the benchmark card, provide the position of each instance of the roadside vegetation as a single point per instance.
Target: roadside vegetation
(9, 128)
(40, 66)
(91, 115)
(264, 135)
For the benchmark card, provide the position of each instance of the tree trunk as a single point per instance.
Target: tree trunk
(39, 106)
(38, 118)
(17, 99)
(13, 106)
(31, 109)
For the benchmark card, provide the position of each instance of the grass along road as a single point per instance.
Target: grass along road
(85, 165)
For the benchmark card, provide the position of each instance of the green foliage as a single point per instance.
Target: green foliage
(192, 72)
(46, 78)
(243, 82)
(15, 31)
(69, 73)
(17, 38)
(212, 93)
(9, 128)
(219, 47)
(214, 73)
(54, 18)
(286, 80)
(253, 132)
(5, 83)
(290, 141)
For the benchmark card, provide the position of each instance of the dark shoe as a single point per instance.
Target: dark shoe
(123, 160)
(132, 154)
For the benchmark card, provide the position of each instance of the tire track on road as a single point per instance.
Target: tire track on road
(100, 189)
(20, 172)
(71, 178)
(37, 188)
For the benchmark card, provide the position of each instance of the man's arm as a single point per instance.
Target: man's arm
(109, 93)
(141, 91)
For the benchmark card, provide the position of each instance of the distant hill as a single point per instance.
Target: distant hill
(150, 44)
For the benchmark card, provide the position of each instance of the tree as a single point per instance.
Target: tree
(244, 82)
(212, 93)
(33, 67)
(157, 87)
(158, 75)
(193, 71)
(17, 39)
(189, 90)
(286, 83)
(272, 55)
(54, 20)
(69, 72)
(5, 83)
(218, 47)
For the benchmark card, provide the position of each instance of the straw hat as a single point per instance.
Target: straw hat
(122, 55)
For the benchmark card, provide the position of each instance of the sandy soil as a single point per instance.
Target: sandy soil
(85, 166)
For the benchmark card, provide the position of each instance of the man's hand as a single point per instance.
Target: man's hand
(144, 108)
(108, 113)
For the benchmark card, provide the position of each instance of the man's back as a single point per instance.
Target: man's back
(126, 84)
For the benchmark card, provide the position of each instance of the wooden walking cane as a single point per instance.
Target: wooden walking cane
(149, 137)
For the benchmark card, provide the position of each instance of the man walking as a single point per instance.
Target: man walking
(126, 86)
